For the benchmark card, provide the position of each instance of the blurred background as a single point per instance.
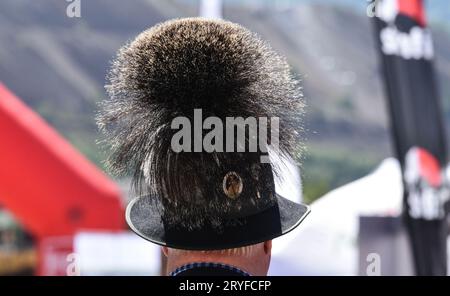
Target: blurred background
(56, 65)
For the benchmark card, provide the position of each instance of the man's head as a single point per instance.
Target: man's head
(197, 198)
(253, 259)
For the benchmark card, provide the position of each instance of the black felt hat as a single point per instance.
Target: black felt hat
(191, 196)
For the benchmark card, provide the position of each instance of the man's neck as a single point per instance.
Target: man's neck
(238, 262)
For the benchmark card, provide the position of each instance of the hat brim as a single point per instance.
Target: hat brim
(143, 215)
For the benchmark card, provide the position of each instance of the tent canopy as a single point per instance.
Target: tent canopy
(48, 185)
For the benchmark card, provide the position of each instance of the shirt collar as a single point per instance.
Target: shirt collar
(194, 265)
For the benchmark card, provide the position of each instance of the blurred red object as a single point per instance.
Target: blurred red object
(48, 185)
(413, 9)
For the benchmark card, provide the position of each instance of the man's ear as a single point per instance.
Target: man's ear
(165, 251)
(268, 247)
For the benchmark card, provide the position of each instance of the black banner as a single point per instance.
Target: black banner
(406, 51)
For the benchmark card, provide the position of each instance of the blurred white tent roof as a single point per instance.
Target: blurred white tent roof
(326, 242)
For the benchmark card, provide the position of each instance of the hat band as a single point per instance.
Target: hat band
(252, 229)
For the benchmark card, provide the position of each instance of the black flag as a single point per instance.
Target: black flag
(406, 52)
